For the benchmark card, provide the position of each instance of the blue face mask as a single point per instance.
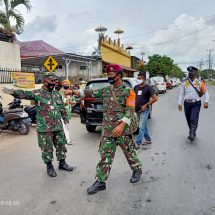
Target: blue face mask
(111, 80)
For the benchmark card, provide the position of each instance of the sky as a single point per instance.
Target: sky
(181, 29)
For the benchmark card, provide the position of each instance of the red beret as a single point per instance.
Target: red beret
(113, 68)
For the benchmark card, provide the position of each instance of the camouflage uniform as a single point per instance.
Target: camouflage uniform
(113, 117)
(50, 110)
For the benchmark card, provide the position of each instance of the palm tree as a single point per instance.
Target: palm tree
(10, 15)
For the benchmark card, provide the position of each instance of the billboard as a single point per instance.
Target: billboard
(23, 79)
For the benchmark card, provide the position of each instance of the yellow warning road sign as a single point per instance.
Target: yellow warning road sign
(50, 64)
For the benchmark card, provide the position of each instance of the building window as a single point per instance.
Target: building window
(59, 67)
(83, 67)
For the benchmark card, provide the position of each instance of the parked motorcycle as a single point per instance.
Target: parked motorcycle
(30, 110)
(16, 120)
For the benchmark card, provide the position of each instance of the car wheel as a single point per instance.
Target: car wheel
(91, 128)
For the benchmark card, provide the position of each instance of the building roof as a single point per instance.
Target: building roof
(62, 58)
(37, 48)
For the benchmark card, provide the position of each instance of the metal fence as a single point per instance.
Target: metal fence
(5, 77)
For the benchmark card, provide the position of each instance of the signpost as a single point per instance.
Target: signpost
(50, 64)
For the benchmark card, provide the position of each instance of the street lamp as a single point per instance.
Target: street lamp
(101, 30)
(142, 53)
(118, 31)
(129, 48)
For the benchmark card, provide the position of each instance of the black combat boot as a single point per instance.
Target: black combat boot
(50, 170)
(191, 137)
(97, 186)
(64, 166)
(192, 134)
(136, 176)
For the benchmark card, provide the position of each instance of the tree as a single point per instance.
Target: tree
(177, 72)
(163, 66)
(160, 65)
(9, 15)
(205, 74)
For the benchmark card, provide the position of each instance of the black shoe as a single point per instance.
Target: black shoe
(97, 186)
(50, 170)
(64, 166)
(191, 137)
(136, 176)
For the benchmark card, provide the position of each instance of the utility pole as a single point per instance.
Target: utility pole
(201, 63)
(209, 64)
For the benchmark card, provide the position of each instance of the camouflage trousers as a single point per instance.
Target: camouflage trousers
(107, 151)
(48, 140)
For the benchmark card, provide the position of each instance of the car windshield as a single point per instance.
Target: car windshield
(157, 79)
(97, 85)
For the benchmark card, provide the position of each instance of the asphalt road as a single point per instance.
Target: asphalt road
(178, 179)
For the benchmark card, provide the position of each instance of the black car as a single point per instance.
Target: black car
(91, 109)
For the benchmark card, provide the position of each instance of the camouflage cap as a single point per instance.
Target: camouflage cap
(51, 77)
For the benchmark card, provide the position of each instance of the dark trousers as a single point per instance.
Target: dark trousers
(192, 111)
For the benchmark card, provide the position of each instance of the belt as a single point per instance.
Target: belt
(191, 100)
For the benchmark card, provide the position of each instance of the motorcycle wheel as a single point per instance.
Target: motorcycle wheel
(23, 129)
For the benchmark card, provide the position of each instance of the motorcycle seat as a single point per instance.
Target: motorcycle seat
(13, 111)
(29, 107)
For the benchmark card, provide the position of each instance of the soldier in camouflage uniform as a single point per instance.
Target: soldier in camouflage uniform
(116, 130)
(50, 110)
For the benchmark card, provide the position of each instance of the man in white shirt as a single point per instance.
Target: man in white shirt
(191, 92)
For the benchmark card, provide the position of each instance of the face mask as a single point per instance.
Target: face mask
(58, 87)
(139, 81)
(50, 86)
(111, 80)
(65, 87)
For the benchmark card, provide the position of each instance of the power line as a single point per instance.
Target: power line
(164, 28)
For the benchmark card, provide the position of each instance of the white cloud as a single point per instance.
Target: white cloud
(74, 23)
(186, 40)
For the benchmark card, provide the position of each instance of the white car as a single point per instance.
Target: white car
(160, 83)
(174, 82)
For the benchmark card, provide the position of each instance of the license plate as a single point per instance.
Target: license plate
(99, 107)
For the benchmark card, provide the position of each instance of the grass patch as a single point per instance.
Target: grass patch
(211, 83)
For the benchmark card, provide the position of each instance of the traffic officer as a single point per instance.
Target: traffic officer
(50, 110)
(116, 129)
(191, 92)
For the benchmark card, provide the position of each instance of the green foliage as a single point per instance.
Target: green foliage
(9, 14)
(177, 72)
(163, 66)
(160, 65)
(205, 74)
(211, 83)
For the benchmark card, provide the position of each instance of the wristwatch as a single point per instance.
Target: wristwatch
(147, 105)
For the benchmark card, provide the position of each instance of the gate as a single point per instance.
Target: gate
(5, 77)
